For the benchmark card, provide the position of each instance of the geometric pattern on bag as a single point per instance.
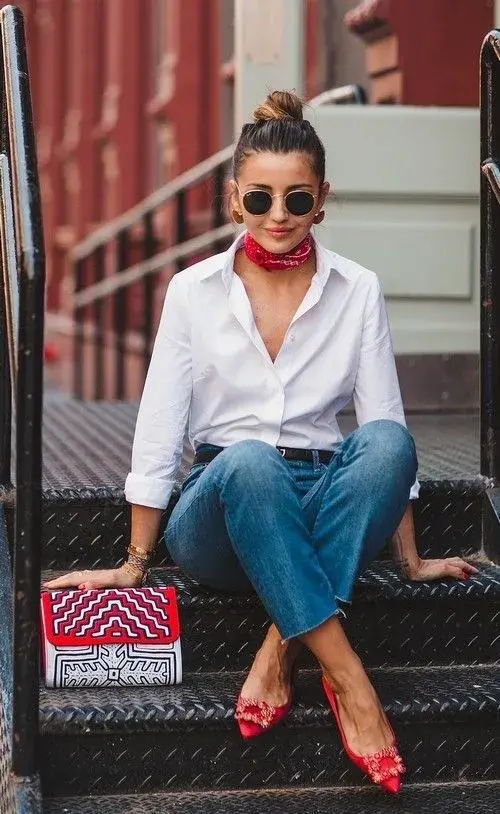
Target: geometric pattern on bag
(111, 637)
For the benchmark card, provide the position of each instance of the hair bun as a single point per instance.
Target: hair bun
(280, 104)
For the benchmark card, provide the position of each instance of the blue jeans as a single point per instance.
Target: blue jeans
(299, 532)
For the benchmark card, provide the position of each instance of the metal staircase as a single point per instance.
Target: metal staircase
(432, 649)
(433, 652)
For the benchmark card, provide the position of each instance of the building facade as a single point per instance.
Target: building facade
(128, 94)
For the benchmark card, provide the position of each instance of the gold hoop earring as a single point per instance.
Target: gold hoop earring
(319, 216)
(237, 216)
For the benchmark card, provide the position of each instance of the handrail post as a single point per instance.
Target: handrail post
(181, 224)
(78, 334)
(218, 217)
(490, 258)
(148, 287)
(98, 311)
(120, 316)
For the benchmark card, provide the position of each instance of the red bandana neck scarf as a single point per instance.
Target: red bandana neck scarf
(271, 261)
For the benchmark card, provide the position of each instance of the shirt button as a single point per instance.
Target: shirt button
(292, 337)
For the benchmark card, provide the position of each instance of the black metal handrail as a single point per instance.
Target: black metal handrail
(490, 256)
(111, 244)
(490, 292)
(23, 326)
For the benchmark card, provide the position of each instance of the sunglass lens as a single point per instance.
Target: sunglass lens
(300, 202)
(257, 202)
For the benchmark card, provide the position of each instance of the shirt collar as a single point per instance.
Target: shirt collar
(326, 262)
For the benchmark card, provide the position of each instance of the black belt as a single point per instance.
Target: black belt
(204, 456)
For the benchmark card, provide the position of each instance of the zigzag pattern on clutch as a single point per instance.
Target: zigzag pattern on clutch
(95, 614)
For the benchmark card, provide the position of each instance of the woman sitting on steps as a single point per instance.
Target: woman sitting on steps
(257, 351)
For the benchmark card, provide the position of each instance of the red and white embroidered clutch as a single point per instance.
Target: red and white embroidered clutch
(111, 636)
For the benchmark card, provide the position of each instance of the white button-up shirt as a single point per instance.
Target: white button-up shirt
(211, 379)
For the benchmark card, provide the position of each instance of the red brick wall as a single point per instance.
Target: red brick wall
(124, 100)
(439, 45)
(424, 53)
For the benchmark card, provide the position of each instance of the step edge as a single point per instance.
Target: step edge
(68, 495)
(338, 791)
(53, 718)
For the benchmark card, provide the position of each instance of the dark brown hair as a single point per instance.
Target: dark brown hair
(279, 127)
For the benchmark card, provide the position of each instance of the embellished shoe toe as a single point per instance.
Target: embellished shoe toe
(255, 717)
(384, 768)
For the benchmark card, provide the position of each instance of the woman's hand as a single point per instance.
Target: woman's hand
(451, 567)
(87, 580)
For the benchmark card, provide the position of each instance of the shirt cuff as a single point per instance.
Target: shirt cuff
(152, 492)
(415, 491)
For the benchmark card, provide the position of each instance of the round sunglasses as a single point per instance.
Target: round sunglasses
(298, 201)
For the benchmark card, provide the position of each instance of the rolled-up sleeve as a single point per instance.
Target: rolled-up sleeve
(376, 390)
(164, 408)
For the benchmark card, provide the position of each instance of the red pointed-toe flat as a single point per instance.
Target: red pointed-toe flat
(257, 717)
(384, 768)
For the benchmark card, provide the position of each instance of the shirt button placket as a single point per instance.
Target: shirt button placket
(276, 408)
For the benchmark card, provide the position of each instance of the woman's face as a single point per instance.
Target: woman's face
(278, 173)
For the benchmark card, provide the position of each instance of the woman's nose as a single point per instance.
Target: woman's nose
(279, 211)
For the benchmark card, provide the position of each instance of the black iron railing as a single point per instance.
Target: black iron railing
(21, 340)
(102, 302)
(490, 288)
(490, 254)
(112, 245)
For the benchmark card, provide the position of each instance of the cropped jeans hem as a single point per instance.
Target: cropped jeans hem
(332, 615)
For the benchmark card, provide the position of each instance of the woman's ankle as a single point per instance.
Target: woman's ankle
(346, 677)
(278, 660)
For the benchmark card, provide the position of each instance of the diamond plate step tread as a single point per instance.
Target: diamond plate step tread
(86, 520)
(380, 581)
(209, 759)
(391, 622)
(105, 495)
(444, 798)
(444, 694)
(90, 527)
(88, 444)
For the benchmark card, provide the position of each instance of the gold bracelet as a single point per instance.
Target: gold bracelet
(139, 552)
(139, 557)
(138, 562)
